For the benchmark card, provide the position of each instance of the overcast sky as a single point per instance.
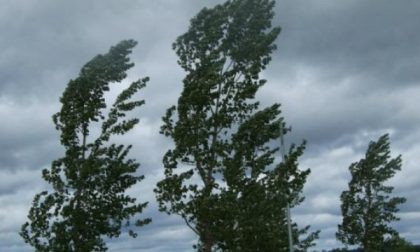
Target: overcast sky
(345, 72)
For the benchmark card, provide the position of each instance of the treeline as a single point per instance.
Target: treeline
(393, 245)
(223, 177)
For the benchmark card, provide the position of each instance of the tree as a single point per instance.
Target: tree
(397, 243)
(88, 199)
(367, 206)
(221, 176)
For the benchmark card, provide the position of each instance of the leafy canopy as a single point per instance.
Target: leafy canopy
(222, 176)
(87, 200)
(367, 206)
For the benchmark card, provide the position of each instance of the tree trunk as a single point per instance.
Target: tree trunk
(207, 242)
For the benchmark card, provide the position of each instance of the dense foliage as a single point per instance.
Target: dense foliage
(223, 176)
(367, 205)
(88, 199)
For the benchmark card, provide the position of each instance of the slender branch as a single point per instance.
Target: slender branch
(188, 224)
(238, 77)
(223, 71)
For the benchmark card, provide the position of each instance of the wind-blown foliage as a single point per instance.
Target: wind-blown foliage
(367, 206)
(88, 200)
(221, 177)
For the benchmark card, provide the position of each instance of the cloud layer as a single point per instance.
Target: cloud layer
(345, 73)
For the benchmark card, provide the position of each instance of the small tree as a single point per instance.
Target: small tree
(221, 176)
(88, 199)
(367, 206)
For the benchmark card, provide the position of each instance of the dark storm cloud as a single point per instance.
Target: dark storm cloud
(351, 65)
(48, 42)
(371, 39)
(345, 73)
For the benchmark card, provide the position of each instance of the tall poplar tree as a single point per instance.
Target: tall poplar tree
(367, 205)
(222, 177)
(88, 200)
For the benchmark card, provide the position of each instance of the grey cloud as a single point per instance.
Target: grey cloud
(366, 38)
(351, 63)
(27, 135)
(52, 38)
(344, 72)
